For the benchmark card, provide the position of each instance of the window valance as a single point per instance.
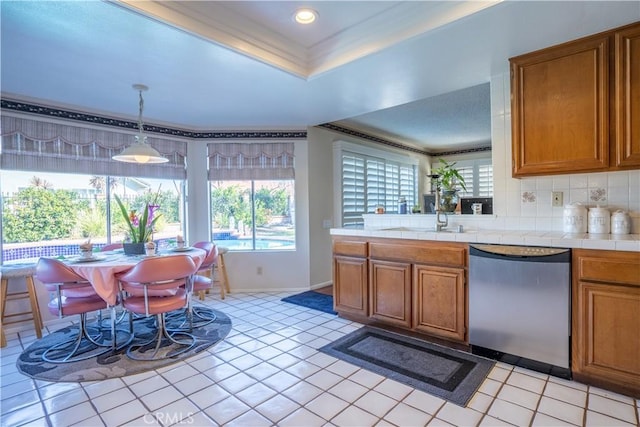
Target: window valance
(29, 144)
(251, 161)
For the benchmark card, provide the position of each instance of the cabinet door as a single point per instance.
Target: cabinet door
(606, 343)
(390, 292)
(439, 302)
(627, 97)
(560, 108)
(350, 285)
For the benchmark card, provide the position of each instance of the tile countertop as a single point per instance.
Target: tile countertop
(557, 239)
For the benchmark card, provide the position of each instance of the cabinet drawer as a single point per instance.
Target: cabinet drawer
(605, 266)
(422, 253)
(350, 248)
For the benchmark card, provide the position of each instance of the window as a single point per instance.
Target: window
(372, 179)
(47, 213)
(252, 195)
(253, 215)
(50, 214)
(478, 178)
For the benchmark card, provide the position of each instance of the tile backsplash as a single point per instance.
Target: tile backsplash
(525, 204)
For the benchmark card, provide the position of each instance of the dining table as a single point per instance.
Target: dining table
(102, 268)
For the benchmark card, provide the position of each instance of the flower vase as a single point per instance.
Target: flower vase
(449, 200)
(133, 248)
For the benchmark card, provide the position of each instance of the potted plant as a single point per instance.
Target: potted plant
(448, 180)
(139, 226)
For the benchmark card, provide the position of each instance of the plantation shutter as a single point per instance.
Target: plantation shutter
(478, 178)
(369, 182)
(485, 181)
(353, 189)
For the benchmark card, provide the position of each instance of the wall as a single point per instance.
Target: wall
(282, 270)
(321, 218)
(525, 204)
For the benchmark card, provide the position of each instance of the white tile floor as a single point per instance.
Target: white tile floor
(268, 372)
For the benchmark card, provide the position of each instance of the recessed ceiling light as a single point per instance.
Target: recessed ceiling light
(305, 16)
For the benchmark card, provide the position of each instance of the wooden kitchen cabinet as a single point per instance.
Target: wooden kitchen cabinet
(439, 301)
(350, 278)
(414, 285)
(390, 292)
(606, 319)
(572, 105)
(627, 97)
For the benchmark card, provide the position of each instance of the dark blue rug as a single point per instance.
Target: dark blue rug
(312, 299)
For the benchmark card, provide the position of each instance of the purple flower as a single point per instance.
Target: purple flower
(152, 209)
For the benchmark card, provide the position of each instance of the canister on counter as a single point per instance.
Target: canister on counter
(574, 218)
(599, 220)
(402, 205)
(620, 222)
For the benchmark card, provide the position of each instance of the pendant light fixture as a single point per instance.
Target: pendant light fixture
(140, 151)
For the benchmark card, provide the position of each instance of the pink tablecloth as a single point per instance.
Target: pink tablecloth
(102, 274)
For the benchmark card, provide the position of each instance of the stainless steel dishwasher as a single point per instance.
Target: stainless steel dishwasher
(520, 306)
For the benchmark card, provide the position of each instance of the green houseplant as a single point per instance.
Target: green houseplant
(448, 182)
(140, 226)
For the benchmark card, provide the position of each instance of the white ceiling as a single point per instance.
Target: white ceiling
(246, 65)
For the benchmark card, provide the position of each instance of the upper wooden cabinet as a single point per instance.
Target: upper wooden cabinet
(627, 96)
(572, 105)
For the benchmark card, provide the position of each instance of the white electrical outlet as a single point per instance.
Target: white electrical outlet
(259, 271)
(556, 198)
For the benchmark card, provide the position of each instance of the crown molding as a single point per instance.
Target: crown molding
(229, 29)
(221, 25)
(401, 22)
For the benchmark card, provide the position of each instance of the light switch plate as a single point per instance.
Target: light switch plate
(556, 198)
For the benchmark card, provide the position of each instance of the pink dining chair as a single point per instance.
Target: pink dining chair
(203, 281)
(156, 286)
(111, 247)
(73, 295)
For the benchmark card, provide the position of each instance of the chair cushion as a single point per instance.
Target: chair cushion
(201, 283)
(155, 290)
(71, 306)
(157, 304)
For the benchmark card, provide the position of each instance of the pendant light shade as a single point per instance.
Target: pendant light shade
(140, 151)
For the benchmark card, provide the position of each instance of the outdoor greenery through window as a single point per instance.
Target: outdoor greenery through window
(253, 214)
(49, 214)
(369, 182)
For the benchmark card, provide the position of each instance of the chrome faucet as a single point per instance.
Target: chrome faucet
(440, 225)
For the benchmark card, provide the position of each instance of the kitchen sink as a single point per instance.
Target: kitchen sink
(417, 229)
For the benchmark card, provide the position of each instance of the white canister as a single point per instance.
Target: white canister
(574, 218)
(599, 220)
(620, 222)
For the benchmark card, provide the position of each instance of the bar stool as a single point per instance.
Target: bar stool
(25, 271)
(222, 269)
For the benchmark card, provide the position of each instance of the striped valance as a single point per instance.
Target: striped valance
(251, 161)
(36, 145)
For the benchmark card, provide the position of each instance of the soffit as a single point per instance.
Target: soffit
(344, 31)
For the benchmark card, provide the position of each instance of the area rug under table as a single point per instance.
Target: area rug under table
(111, 365)
(441, 371)
(312, 299)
